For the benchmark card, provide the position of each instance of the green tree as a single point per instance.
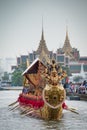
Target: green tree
(77, 78)
(6, 76)
(66, 68)
(17, 78)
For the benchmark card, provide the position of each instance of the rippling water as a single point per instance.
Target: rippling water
(10, 120)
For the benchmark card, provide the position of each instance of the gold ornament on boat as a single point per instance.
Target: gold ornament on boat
(53, 93)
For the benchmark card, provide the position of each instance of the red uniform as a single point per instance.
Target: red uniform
(64, 106)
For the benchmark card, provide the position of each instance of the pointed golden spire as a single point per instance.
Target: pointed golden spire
(42, 44)
(67, 33)
(42, 36)
(67, 49)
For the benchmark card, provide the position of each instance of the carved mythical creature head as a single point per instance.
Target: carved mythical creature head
(54, 73)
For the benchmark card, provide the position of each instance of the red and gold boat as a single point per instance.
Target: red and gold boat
(43, 94)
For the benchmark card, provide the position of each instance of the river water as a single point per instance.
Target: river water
(10, 120)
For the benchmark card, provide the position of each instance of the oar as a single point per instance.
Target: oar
(36, 114)
(30, 111)
(24, 111)
(72, 110)
(13, 103)
(17, 106)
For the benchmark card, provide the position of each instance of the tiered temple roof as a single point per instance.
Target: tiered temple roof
(42, 45)
(67, 46)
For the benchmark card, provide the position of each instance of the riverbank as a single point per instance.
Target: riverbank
(12, 88)
(76, 96)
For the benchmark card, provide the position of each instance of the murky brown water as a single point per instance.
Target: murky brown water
(13, 121)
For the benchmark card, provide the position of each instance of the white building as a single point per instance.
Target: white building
(6, 63)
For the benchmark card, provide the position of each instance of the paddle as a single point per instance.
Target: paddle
(17, 106)
(13, 103)
(26, 110)
(29, 112)
(72, 110)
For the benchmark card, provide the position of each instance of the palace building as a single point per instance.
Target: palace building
(67, 55)
(67, 50)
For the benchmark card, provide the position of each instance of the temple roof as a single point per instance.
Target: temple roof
(67, 46)
(42, 45)
(44, 57)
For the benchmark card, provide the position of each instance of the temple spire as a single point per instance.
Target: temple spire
(42, 45)
(67, 33)
(67, 46)
(42, 36)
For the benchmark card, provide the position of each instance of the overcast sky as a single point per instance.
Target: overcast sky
(21, 25)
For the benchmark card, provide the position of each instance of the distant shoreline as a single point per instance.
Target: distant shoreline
(11, 88)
